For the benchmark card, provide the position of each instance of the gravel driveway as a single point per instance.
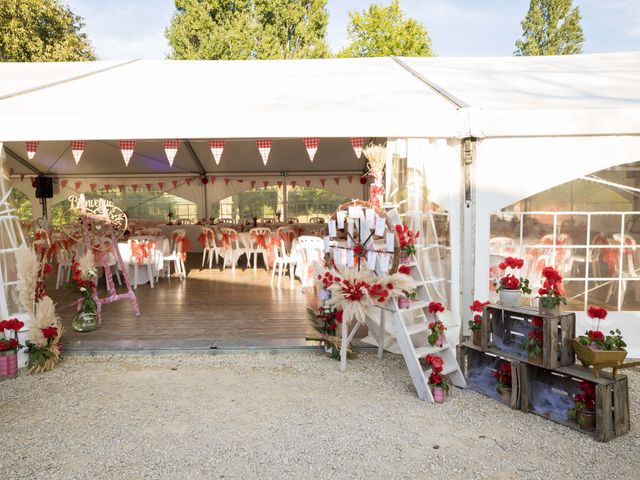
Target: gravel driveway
(263, 416)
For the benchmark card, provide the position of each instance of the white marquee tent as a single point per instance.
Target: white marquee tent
(533, 122)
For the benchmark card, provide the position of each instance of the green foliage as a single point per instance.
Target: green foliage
(41, 31)
(551, 27)
(248, 29)
(384, 31)
(22, 204)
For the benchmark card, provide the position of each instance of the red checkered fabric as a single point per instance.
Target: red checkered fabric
(32, 147)
(311, 144)
(77, 149)
(357, 143)
(170, 149)
(127, 147)
(264, 147)
(217, 147)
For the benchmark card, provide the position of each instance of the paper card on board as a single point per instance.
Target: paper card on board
(336, 255)
(384, 262)
(340, 216)
(371, 260)
(326, 244)
(332, 228)
(390, 241)
(369, 216)
(350, 258)
(380, 226)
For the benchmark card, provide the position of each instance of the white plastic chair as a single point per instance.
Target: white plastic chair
(311, 249)
(281, 262)
(258, 241)
(177, 256)
(64, 267)
(230, 248)
(210, 247)
(148, 260)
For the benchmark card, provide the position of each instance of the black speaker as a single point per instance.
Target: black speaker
(44, 187)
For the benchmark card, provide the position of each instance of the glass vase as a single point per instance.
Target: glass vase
(85, 321)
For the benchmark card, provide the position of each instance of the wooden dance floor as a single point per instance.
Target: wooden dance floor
(211, 309)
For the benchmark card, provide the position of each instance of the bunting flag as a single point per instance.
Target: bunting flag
(161, 185)
(357, 143)
(188, 182)
(213, 180)
(240, 181)
(311, 144)
(121, 188)
(22, 177)
(293, 183)
(217, 147)
(322, 180)
(226, 182)
(174, 183)
(33, 182)
(127, 147)
(148, 185)
(93, 186)
(11, 172)
(77, 149)
(337, 180)
(265, 183)
(253, 184)
(107, 186)
(279, 184)
(63, 183)
(77, 184)
(307, 183)
(32, 147)
(264, 147)
(350, 178)
(170, 149)
(134, 187)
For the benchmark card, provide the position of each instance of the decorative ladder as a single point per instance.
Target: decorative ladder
(411, 327)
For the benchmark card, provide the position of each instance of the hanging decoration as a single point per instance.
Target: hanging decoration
(22, 177)
(213, 179)
(174, 183)
(217, 147)
(337, 180)
(93, 186)
(307, 183)
(127, 147)
(170, 149)
(188, 181)
(264, 147)
(253, 184)
(293, 183)
(311, 144)
(279, 184)
(121, 188)
(77, 184)
(265, 183)
(322, 181)
(350, 178)
(134, 187)
(107, 186)
(226, 182)
(160, 185)
(148, 185)
(77, 149)
(357, 143)
(32, 148)
(63, 183)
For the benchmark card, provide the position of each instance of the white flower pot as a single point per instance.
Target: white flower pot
(510, 298)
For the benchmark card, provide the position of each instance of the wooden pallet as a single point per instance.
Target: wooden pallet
(509, 326)
(471, 357)
(612, 397)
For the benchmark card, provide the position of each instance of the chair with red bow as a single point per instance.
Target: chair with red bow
(230, 248)
(142, 255)
(178, 254)
(207, 239)
(281, 261)
(288, 234)
(259, 241)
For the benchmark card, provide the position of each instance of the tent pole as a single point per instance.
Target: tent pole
(285, 207)
(467, 227)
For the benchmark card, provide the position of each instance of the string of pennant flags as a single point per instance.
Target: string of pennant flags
(127, 148)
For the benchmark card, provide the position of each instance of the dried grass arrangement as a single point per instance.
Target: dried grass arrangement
(377, 157)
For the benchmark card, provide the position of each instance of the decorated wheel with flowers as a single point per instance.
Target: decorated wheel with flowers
(363, 236)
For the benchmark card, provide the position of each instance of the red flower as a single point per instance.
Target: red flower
(435, 378)
(399, 228)
(536, 335)
(358, 250)
(579, 398)
(552, 275)
(543, 291)
(588, 387)
(510, 282)
(597, 312)
(435, 362)
(435, 307)
(405, 269)
(537, 322)
(49, 332)
(511, 262)
(502, 266)
(478, 306)
(595, 335)
(339, 316)
(363, 179)
(590, 404)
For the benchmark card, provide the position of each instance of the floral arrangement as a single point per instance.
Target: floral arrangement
(535, 337)
(586, 400)
(550, 295)
(435, 307)
(404, 269)
(595, 338)
(436, 379)
(407, 239)
(503, 375)
(325, 322)
(477, 306)
(437, 330)
(509, 281)
(9, 344)
(84, 274)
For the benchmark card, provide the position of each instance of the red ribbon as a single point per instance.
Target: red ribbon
(260, 238)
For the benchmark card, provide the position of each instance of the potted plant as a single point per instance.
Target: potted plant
(83, 278)
(436, 337)
(325, 322)
(475, 324)
(597, 349)
(438, 383)
(9, 347)
(584, 409)
(405, 299)
(503, 379)
(509, 286)
(534, 341)
(407, 240)
(550, 295)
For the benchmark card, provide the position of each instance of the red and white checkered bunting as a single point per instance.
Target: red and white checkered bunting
(32, 148)
(93, 186)
(160, 185)
(121, 188)
(337, 180)
(174, 183)
(322, 181)
(77, 184)
(265, 183)
(226, 182)
(350, 178)
(63, 183)
(107, 186)
(293, 183)
(134, 187)
(188, 182)
(311, 144)
(307, 183)
(217, 147)
(170, 149)
(77, 149)
(253, 184)
(148, 185)
(127, 147)
(264, 147)
(357, 143)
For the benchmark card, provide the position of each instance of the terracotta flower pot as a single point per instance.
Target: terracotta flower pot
(505, 394)
(438, 394)
(586, 419)
(510, 298)
(477, 338)
(534, 359)
(8, 364)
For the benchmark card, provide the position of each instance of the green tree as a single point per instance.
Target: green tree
(248, 29)
(41, 31)
(551, 27)
(384, 31)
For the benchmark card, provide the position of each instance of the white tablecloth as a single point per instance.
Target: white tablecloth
(193, 232)
(163, 248)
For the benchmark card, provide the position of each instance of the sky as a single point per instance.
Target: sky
(124, 29)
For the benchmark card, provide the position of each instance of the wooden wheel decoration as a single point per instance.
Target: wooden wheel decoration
(362, 235)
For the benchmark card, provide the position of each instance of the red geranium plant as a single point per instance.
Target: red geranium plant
(550, 294)
(509, 281)
(437, 330)
(477, 306)
(436, 378)
(503, 375)
(585, 400)
(596, 339)
(6, 343)
(407, 239)
(535, 337)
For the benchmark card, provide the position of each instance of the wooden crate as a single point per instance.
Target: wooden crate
(612, 397)
(505, 328)
(471, 358)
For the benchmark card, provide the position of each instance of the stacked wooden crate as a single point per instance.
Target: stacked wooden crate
(536, 387)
